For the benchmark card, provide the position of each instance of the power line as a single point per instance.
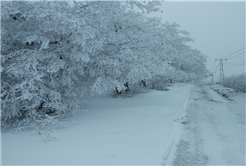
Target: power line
(230, 65)
(238, 55)
(238, 62)
(212, 66)
(242, 56)
(216, 68)
(235, 61)
(212, 78)
(234, 52)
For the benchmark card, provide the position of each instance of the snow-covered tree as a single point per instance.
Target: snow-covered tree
(54, 52)
(40, 70)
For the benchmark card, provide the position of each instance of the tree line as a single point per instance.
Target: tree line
(54, 52)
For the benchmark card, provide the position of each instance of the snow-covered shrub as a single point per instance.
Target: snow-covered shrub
(161, 84)
(237, 82)
(139, 87)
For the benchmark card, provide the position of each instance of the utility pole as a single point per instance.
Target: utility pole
(221, 69)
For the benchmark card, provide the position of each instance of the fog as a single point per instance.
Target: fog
(218, 29)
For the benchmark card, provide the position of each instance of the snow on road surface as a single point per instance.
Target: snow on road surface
(188, 125)
(215, 128)
(115, 131)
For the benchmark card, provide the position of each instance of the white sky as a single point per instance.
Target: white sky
(218, 28)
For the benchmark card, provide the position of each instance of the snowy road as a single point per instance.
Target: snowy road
(214, 129)
(188, 125)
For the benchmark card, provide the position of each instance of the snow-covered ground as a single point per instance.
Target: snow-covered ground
(188, 125)
(215, 128)
(114, 131)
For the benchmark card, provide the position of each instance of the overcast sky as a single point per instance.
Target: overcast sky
(218, 28)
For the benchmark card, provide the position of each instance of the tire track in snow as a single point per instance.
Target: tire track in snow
(190, 148)
(214, 130)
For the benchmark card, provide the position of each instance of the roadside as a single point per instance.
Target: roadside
(114, 131)
(214, 131)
